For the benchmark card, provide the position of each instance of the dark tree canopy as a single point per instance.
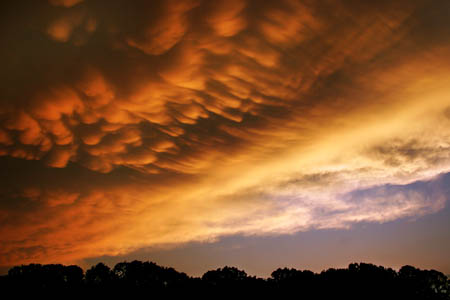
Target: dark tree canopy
(99, 275)
(224, 275)
(358, 281)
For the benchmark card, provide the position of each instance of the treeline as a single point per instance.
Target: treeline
(358, 281)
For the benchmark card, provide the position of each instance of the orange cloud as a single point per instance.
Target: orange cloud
(56, 198)
(96, 89)
(61, 29)
(186, 121)
(166, 31)
(65, 3)
(59, 157)
(57, 102)
(5, 138)
(30, 131)
(184, 69)
(226, 17)
(290, 24)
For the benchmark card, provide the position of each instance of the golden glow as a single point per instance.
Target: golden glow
(221, 120)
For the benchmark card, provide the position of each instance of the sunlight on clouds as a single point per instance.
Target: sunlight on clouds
(186, 121)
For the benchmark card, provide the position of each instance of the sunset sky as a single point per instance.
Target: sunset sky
(198, 134)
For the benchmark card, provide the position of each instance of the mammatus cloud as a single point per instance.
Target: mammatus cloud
(148, 123)
(65, 3)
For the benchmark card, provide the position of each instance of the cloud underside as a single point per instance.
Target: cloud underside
(137, 124)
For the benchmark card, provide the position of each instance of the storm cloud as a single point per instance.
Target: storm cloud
(127, 124)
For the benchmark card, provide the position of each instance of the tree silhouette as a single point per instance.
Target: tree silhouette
(99, 275)
(226, 280)
(225, 275)
(423, 284)
(53, 278)
(129, 279)
(288, 281)
(148, 275)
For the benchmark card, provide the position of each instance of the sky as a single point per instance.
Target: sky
(198, 134)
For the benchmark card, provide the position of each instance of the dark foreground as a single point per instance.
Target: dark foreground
(147, 280)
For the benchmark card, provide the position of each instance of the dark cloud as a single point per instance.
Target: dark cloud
(398, 152)
(157, 64)
(447, 113)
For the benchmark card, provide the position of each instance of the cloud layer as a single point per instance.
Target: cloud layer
(142, 123)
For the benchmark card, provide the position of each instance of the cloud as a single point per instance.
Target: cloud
(226, 19)
(137, 124)
(59, 157)
(418, 152)
(166, 31)
(289, 23)
(61, 29)
(65, 3)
